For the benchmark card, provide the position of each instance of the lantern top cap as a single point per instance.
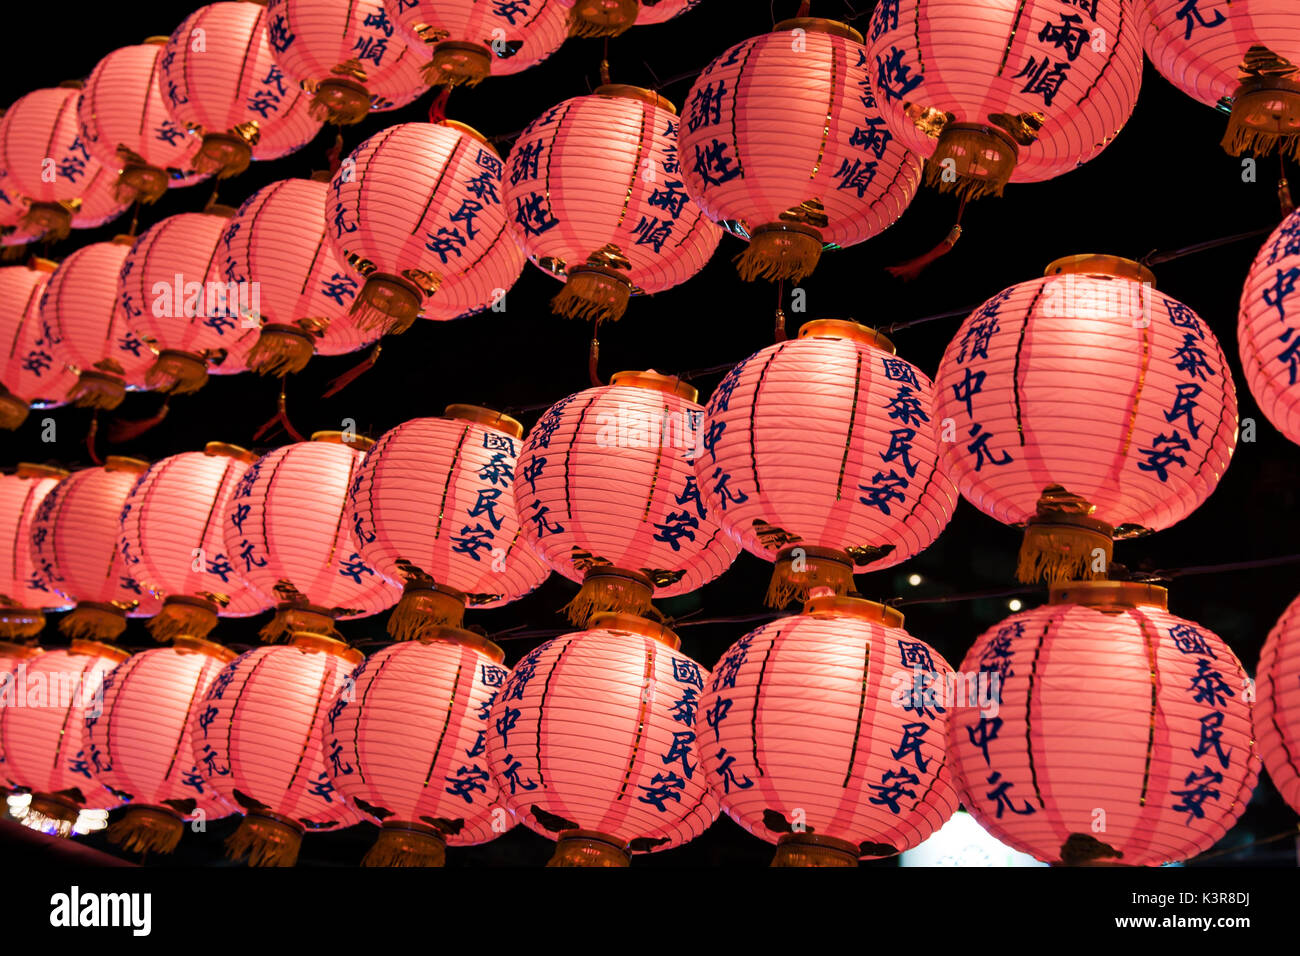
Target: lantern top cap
(834, 28)
(626, 92)
(359, 442)
(27, 469)
(844, 605)
(188, 644)
(98, 649)
(617, 621)
(846, 329)
(156, 41)
(222, 210)
(72, 85)
(216, 449)
(658, 382)
(468, 131)
(123, 240)
(464, 638)
(312, 643)
(487, 417)
(1099, 264)
(122, 463)
(1116, 594)
(42, 265)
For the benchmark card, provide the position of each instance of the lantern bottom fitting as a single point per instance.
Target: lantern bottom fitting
(602, 18)
(91, 620)
(177, 373)
(607, 588)
(1265, 117)
(811, 849)
(1060, 547)
(147, 829)
(290, 618)
(592, 292)
(51, 813)
(267, 839)
(780, 250)
(590, 848)
(340, 100)
(13, 410)
(281, 350)
(140, 182)
(386, 302)
(982, 160)
(96, 389)
(20, 623)
(182, 616)
(424, 608)
(50, 221)
(226, 154)
(802, 569)
(407, 844)
(457, 63)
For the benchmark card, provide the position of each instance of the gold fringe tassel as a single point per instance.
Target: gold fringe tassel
(176, 373)
(421, 611)
(340, 102)
(280, 351)
(778, 252)
(20, 623)
(182, 618)
(800, 569)
(580, 848)
(147, 830)
(458, 64)
(606, 589)
(225, 154)
(94, 622)
(593, 294)
(50, 220)
(290, 618)
(1060, 553)
(266, 842)
(402, 846)
(604, 19)
(97, 390)
(964, 187)
(1241, 138)
(385, 303)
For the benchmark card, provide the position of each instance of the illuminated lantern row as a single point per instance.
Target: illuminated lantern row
(606, 492)
(824, 733)
(23, 595)
(593, 743)
(433, 506)
(993, 93)
(1266, 327)
(276, 246)
(219, 79)
(595, 194)
(1277, 715)
(348, 52)
(1237, 55)
(1115, 732)
(471, 41)
(406, 743)
(257, 735)
(783, 143)
(173, 541)
(139, 747)
(609, 18)
(31, 375)
(1087, 406)
(821, 454)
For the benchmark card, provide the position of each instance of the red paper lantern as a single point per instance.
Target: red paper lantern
(31, 373)
(609, 18)
(1003, 92)
(595, 195)
(1277, 716)
(23, 595)
(406, 743)
(782, 142)
(593, 743)
(1270, 353)
(257, 735)
(1116, 731)
(825, 734)
(1088, 406)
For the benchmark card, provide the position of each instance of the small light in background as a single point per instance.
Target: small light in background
(914, 580)
(1015, 604)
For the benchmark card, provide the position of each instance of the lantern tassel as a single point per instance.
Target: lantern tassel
(97, 390)
(147, 830)
(51, 220)
(387, 304)
(457, 63)
(290, 618)
(403, 846)
(125, 429)
(265, 841)
(1241, 138)
(800, 568)
(280, 351)
(912, 268)
(592, 293)
(181, 616)
(422, 610)
(585, 848)
(176, 373)
(1062, 541)
(608, 588)
(96, 622)
(780, 251)
(280, 420)
(351, 375)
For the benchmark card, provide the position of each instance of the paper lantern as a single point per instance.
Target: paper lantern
(1112, 732)
(414, 210)
(31, 374)
(607, 495)
(257, 735)
(1003, 92)
(176, 298)
(23, 595)
(285, 534)
(1269, 349)
(494, 275)
(407, 744)
(74, 541)
(604, 169)
(1236, 55)
(824, 734)
(433, 506)
(138, 743)
(593, 743)
(471, 41)
(1277, 715)
(802, 160)
(219, 79)
(609, 18)
(1087, 406)
(97, 206)
(100, 204)
(124, 124)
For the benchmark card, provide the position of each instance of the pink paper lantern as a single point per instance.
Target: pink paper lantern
(138, 744)
(23, 595)
(802, 160)
(494, 275)
(609, 18)
(99, 203)
(1270, 352)
(31, 373)
(606, 491)
(1115, 732)
(406, 743)
(1087, 405)
(97, 206)
(1277, 715)
(433, 506)
(595, 195)
(824, 733)
(219, 79)
(1003, 92)
(820, 454)
(593, 743)
(257, 735)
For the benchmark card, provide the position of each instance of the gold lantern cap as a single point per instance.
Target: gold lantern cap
(312, 643)
(469, 131)
(359, 442)
(627, 92)
(487, 417)
(846, 329)
(835, 28)
(1110, 594)
(27, 469)
(223, 449)
(122, 463)
(1100, 264)
(846, 605)
(658, 382)
(635, 624)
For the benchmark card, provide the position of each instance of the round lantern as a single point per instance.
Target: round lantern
(257, 735)
(407, 743)
(1277, 717)
(494, 275)
(471, 41)
(286, 536)
(1003, 92)
(1236, 55)
(173, 541)
(219, 80)
(1110, 731)
(824, 734)
(31, 373)
(348, 52)
(178, 297)
(604, 169)
(1269, 348)
(607, 495)
(609, 18)
(433, 506)
(782, 142)
(139, 746)
(74, 541)
(303, 291)
(24, 596)
(1087, 406)
(593, 743)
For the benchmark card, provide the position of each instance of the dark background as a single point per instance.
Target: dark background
(1162, 185)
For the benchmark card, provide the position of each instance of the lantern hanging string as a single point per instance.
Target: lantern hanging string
(1229, 851)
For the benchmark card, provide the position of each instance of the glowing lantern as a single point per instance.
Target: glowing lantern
(31, 374)
(1087, 406)
(593, 743)
(820, 454)
(826, 734)
(604, 169)
(433, 505)
(218, 78)
(1265, 330)
(99, 204)
(1116, 733)
(257, 734)
(405, 743)
(1003, 92)
(494, 275)
(782, 142)
(609, 18)
(1277, 717)
(23, 597)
